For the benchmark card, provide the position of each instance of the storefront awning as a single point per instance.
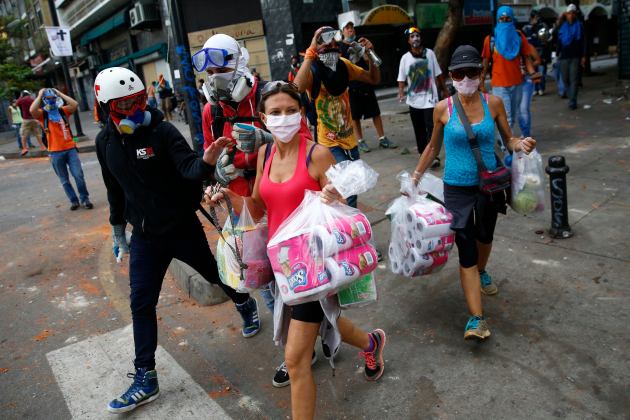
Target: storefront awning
(388, 14)
(160, 48)
(119, 19)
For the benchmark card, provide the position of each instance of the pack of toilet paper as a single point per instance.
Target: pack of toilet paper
(421, 235)
(320, 249)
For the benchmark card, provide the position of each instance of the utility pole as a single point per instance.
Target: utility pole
(187, 75)
(66, 73)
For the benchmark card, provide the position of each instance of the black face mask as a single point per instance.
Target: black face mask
(335, 82)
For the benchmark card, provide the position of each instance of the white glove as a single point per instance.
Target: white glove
(249, 138)
(119, 242)
(225, 172)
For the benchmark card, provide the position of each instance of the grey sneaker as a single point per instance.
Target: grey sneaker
(386, 143)
(363, 147)
(487, 287)
(476, 328)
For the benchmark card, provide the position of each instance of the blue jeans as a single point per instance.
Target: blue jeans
(267, 296)
(63, 160)
(341, 155)
(542, 84)
(152, 102)
(149, 259)
(556, 73)
(524, 113)
(511, 97)
(569, 67)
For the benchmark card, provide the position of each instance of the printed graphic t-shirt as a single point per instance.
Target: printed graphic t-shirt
(420, 74)
(334, 120)
(59, 135)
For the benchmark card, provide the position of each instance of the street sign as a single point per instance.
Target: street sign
(60, 42)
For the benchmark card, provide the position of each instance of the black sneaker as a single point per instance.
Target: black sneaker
(374, 363)
(249, 313)
(74, 206)
(379, 256)
(88, 205)
(281, 378)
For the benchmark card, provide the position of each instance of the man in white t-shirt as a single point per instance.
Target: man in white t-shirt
(420, 71)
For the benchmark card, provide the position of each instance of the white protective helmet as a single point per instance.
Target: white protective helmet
(116, 82)
(229, 44)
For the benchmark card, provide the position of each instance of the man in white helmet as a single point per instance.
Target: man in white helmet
(153, 181)
(231, 113)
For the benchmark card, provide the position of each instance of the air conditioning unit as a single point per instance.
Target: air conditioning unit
(144, 15)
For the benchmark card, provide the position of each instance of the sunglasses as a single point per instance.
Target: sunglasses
(130, 104)
(215, 57)
(328, 36)
(412, 30)
(275, 86)
(459, 74)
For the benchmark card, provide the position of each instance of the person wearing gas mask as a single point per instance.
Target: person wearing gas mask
(53, 116)
(153, 181)
(325, 76)
(420, 71)
(363, 101)
(233, 94)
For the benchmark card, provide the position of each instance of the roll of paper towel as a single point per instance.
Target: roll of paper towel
(427, 261)
(426, 227)
(348, 266)
(443, 243)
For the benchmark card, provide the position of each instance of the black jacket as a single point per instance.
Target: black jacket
(153, 177)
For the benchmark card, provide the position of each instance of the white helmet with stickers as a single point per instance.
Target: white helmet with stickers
(116, 82)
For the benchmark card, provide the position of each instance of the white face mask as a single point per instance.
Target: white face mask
(466, 86)
(284, 127)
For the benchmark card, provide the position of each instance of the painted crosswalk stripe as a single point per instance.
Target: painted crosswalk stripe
(93, 372)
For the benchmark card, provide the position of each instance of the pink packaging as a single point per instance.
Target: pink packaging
(297, 273)
(257, 274)
(442, 243)
(348, 266)
(344, 233)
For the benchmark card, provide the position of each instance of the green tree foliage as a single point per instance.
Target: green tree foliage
(14, 76)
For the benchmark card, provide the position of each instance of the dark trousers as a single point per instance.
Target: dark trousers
(341, 155)
(422, 121)
(569, 67)
(149, 259)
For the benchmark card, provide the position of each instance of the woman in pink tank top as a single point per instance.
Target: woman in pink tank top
(291, 165)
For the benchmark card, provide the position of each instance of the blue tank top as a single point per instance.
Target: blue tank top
(460, 168)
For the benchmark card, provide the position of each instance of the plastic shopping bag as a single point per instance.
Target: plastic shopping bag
(320, 249)
(360, 293)
(352, 177)
(250, 240)
(421, 234)
(528, 190)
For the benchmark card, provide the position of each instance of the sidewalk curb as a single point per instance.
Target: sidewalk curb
(198, 289)
(38, 153)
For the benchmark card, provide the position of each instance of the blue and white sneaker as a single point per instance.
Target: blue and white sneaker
(487, 287)
(143, 390)
(477, 328)
(249, 313)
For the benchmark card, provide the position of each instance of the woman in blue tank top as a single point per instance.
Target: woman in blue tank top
(474, 213)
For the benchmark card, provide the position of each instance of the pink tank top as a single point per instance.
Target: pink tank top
(281, 198)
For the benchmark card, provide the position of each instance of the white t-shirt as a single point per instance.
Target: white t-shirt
(420, 74)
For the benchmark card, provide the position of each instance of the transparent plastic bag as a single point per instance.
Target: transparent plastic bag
(352, 177)
(528, 189)
(250, 239)
(320, 249)
(421, 237)
(360, 293)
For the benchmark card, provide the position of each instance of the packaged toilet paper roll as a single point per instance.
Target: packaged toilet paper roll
(427, 262)
(426, 227)
(340, 235)
(304, 285)
(395, 258)
(443, 243)
(349, 265)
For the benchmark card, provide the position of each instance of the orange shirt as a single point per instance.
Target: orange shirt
(59, 136)
(505, 72)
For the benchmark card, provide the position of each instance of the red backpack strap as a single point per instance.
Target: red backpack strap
(449, 101)
(486, 96)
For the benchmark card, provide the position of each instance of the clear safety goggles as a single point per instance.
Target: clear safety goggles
(211, 57)
(130, 104)
(328, 36)
(275, 87)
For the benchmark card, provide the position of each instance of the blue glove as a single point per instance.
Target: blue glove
(119, 242)
(249, 138)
